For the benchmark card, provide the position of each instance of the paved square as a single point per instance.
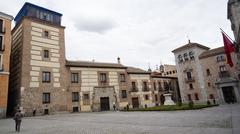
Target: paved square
(224, 119)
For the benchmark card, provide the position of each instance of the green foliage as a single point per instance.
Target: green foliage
(173, 107)
(190, 104)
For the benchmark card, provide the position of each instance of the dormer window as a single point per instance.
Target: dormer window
(180, 59)
(191, 55)
(185, 56)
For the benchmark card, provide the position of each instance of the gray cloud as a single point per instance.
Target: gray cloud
(94, 24)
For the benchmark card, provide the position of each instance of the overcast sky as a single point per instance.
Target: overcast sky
(140, 32)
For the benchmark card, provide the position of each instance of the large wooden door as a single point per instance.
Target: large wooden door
(135, 102)
(104, 103)
(229, 95)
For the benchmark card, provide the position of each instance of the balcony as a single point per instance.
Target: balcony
(224, 74)
(187, 80)
(134, 90)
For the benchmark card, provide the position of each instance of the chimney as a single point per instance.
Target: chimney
(118, 60)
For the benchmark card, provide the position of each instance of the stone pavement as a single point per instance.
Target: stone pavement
(224, 119)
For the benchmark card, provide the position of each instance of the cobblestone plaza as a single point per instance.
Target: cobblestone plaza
(223, 119)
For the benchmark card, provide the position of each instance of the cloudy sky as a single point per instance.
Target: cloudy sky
(140, 32)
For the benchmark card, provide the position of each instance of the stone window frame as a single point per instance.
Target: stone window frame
(44, 79)
(73, 78)
(145, 85)
(154, 86)
(196, 96)
(86, 101)
(1, 62)
(180, 58)
(103, 77)
(189, 97)
(156, 97)
(2, 42)
(46, 54)
(191, 86)
(146, 97)
(160, 85)
(46, 33)
(122, 77)
(191, 55)
(124, 94)
(185, 56)
(46, 98)
(135, 87)
(3, 26)
(75, 96)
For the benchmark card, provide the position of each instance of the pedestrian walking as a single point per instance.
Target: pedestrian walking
(18, 119)
(114, 107)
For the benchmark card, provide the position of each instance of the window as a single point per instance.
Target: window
(220, 58)
(180, 59)
(45, 54)
(166, 86)
(189, 75)
(238, 75)
(146, 97)
(46, 76)
(154, 86)
(74, 77)
(222, 68)
(1, 25)
(208, 72)
(189, 97)
(86, 96)
(1, 43)
(156, 97)
(122, 78)
(145, 88)
(196, 96)
(134, 85)
(185, 56)
(75, 96)
(46, 34)
(209, 84)
(211, 96)
(124, 94)
(191, 86)
(1, 62)
(159, 85)
(191, 55)
(103, 77)
(46, 98)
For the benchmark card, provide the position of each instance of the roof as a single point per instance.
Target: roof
(212, 52)
(6, 16)
(93, 64)
(190, 45)
(133, 70)
(25, 7)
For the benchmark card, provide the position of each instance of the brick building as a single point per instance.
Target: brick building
(43, 80)
(5, 46)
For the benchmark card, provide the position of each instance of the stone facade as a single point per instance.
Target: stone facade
(43, 80)
(206, 76)
(5, 47)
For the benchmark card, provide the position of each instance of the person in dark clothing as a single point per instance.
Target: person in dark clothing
(18, 119)
(114, 107)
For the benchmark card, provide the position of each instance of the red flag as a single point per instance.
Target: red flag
(229, 48)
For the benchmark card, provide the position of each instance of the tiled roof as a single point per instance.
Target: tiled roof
(93, 64)
(190, 45)
(133, 70)
(212, 52)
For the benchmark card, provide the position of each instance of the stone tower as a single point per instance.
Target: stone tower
(37, 62)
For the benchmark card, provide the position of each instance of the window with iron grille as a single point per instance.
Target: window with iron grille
(46, 34)
(46, 77)
(74, 77)
(145, 87)
(45, 54)
(124, 94)
(103, 77)
(122, 77)
(86, 96)
(154, 86)
(46, 98)
(75, 96)
(134, 85)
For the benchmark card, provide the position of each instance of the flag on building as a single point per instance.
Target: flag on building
(228, 48)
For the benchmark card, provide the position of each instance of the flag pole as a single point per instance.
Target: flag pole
(227, 36)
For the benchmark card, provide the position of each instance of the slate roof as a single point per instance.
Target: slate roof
(190, 45)
(133, 70)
